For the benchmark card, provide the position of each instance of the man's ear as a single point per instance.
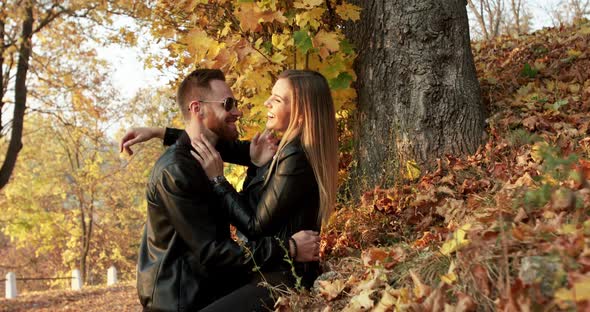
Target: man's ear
(195, 108)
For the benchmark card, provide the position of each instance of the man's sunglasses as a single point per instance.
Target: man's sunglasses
(228, 103)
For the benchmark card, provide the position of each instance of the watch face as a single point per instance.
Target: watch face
(218, 179)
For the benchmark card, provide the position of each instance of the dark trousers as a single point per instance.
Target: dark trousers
(252, 297)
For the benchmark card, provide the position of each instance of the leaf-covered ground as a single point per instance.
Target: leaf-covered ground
(507, 228)
(117, 298)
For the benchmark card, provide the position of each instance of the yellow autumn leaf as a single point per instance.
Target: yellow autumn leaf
(574, 88)
(578, 293)
(226, 29)
(348, 11)
(412, 170)
(249, 15)
(538, 150)
(568, 229)
(331, 289)
(360, 302)
(388, 300)
(450, 278)
(421, 290)
(258, 42)
(326, 39)
(280, 42)
(457, 242)
(312, 18)
(574, 53)
(278, 58)
(585, 30)
(271, 16)
(307, 4)
(198, 43)
(68, 80)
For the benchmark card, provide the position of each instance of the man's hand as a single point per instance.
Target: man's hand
(262, 148)
(308, 246)
(139, 135)
(208, 157)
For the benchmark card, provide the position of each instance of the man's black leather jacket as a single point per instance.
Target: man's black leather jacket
(187, 258)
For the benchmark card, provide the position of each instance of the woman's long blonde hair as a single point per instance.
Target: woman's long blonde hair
(313, 119)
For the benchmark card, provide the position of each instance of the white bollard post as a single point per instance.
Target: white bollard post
(112, 276)
(10, 285)
(76, 280)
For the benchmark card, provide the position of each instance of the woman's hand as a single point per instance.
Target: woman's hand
(139, 135)
(262, 148)
(208, 157)
(308, 246)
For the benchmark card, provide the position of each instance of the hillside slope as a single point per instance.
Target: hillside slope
(507, 228)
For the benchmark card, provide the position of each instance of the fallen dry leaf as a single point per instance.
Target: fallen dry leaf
(360, 302)
(331, 289)
(421, 290)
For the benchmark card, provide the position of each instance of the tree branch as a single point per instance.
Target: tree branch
(20, 97)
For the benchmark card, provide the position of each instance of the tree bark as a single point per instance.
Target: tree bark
(2, 30)
(418, 94)
(20, 96)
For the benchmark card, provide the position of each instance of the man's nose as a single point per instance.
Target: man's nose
(236, 111)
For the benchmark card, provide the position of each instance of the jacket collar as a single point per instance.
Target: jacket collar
(184, 141)
(289, 149)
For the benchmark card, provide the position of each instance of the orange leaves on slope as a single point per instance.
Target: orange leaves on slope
(388, 257)
(525, 193)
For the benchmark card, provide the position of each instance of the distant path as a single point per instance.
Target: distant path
(116, 298)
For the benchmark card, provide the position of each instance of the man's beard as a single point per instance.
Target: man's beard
(224, 132)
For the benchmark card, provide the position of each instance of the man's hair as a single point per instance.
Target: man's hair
(194, 85)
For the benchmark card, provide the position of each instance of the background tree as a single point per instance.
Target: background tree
(568, 11)
(492, 18)
(73, 202)
(418, 94)
(73, 105)
(489, 15)
(24, 27)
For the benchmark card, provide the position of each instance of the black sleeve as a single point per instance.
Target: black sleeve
(194, 220)
(171, 135)
(233, 152)
(288, 184)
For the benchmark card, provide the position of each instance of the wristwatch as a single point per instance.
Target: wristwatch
(218, 179)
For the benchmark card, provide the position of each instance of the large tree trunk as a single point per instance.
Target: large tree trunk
(419, 97)
(20, 97)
